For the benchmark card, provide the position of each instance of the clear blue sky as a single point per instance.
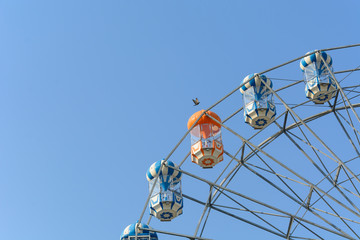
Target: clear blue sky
(93, 92)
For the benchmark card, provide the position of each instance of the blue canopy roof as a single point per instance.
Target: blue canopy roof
(166, 174)
(256, 82)
(130, 231)
(315, 57)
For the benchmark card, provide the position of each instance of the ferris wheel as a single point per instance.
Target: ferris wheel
(286, 161)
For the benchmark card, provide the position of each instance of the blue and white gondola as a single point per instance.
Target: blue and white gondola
(166, 201)
(259, 107)
(320, 87)
(131, 233)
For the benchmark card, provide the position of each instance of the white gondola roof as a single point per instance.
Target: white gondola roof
(315, 57)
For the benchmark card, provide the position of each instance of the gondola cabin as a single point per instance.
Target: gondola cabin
(206, 144)
(133, 232)
(259, 107)
(166, 200)
(320, 87)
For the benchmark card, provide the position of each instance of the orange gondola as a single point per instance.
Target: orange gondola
(206, 144)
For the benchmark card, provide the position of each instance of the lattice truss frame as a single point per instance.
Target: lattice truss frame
(318, 200)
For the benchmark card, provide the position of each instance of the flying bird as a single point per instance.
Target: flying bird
(196, 101)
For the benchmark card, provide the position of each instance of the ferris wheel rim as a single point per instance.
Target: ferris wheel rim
(292, 126)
